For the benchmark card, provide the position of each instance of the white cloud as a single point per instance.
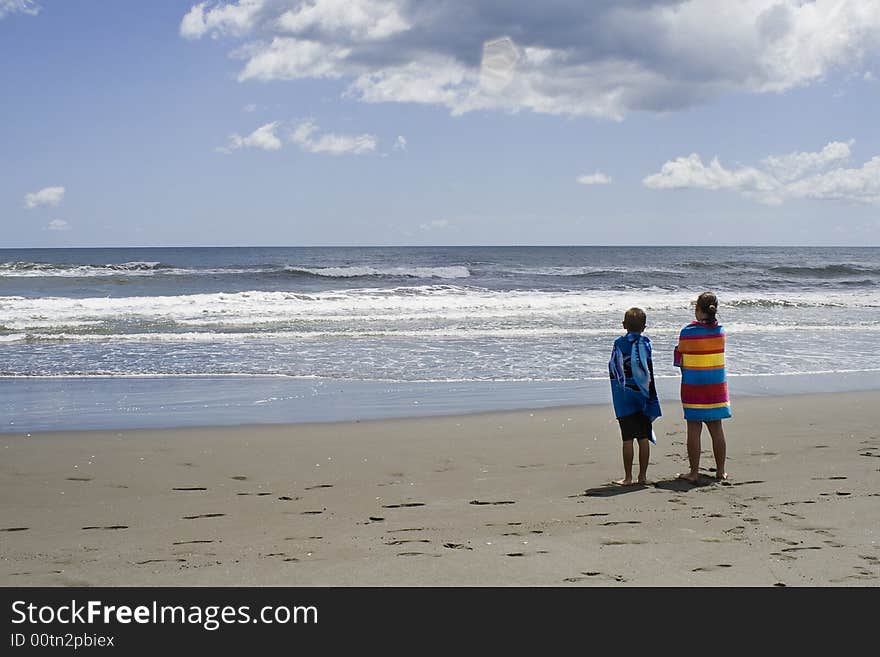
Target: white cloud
(597, 178)
(358, 19)
(51, 196)
(306, 135)
(263, 137)
(400, 143)
(58, 224)
(224, 18)
(286, 58)
(23, 6)
(815, 175)
(250, 107)
(435, 224)
(794, 165)
(567, 57)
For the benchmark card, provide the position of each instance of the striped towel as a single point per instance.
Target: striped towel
(700, 355)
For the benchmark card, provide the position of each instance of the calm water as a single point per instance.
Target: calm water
(410, 315)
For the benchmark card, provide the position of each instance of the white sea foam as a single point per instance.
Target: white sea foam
(436, 306)
(134, 268)
(401, 271)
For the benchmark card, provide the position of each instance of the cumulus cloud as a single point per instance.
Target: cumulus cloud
(58, 224)
(51, 196)
(817, 175)
(225, 18)
(363, 20)
(604, 58)
(22, 6)
(263, 137)
(597, 178)
(306, 135)
(291, 59)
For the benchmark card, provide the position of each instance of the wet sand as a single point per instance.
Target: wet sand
(496, 499)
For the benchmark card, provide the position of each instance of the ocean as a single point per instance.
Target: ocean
(131, 337)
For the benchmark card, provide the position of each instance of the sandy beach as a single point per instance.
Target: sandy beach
(495, 499)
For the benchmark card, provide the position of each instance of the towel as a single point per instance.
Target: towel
(633, 394)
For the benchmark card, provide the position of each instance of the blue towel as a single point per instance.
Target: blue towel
(633, 394)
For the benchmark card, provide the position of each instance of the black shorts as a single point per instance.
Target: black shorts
(635, 427)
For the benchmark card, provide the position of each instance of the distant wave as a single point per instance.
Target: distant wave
(135, 268)
(587, 271)
(825, 271)
(34, 269)
(382, 272)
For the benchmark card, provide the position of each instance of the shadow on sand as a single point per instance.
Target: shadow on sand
(610, 490)
(683, 485)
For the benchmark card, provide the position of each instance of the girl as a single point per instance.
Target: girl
(700, 355)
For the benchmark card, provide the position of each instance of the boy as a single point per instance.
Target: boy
(633, 393)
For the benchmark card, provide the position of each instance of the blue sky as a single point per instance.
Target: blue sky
(361, 122)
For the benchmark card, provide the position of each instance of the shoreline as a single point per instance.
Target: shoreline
(510, 498)
(167, 402)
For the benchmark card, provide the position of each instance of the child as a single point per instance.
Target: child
(633, 393)
(700, 355)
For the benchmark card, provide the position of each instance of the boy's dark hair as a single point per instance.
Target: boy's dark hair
(708, 303)
(634, 320)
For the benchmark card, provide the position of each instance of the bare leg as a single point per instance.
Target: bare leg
(694, 429)
(719, 448)
(627, 463)
(644, 457)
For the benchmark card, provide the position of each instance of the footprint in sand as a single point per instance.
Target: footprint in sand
(239, 477)
(79, 479)
(416, 554)
(585, 575)
(191, 542)
(14, 529)
(141, 563)
(313, 513)
(204, 515)
(481, 503)
(619, 542)
(798, 549)
(107, 527)
(611, 523)
(319, 486)
(708, 569)
(457, 546)
(403, 541)
(400, 506)
(190, 488)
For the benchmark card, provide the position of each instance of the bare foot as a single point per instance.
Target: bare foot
(624, 482)
(643, 482)
(689, 476)
(722, 477)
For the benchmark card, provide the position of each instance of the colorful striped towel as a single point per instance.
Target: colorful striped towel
(700, 355)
